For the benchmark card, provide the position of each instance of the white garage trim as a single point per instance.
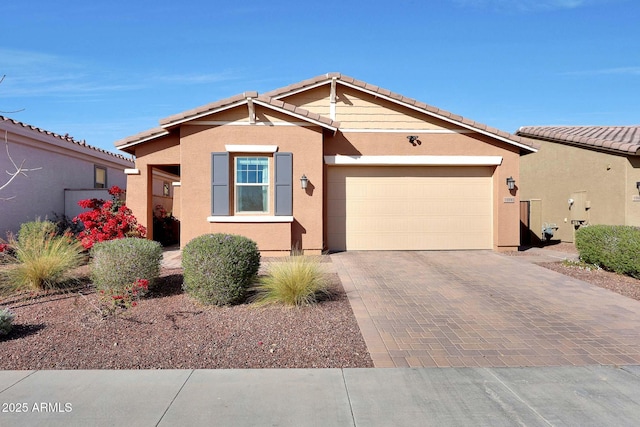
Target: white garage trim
(413, 160)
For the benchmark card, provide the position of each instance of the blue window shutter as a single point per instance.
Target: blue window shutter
(283, 183)
(220, 184)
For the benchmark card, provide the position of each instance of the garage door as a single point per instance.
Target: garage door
(409, 208)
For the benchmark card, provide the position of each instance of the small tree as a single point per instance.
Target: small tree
(16, 169)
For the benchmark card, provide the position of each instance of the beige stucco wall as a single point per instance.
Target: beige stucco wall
(192, 143)
(631, 193)
(506, 215)
(163, 151)
(197, 144)
(557, 172)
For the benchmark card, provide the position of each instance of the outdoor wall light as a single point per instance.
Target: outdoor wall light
(413, 139)
(511, 183)
(304, 181)
(638, 186)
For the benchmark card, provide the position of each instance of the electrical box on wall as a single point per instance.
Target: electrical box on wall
(579, 206)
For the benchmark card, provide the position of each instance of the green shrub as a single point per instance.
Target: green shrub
(117, 264)
(219, 268)
(43, 258)
(613, 247)
(6, 321)
(296, 281)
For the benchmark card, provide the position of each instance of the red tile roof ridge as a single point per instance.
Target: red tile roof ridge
(65, 137)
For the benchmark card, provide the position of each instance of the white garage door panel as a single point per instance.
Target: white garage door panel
(409, 208)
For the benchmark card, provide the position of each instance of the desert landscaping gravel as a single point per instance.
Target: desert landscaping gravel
(169, 330)
(623, 285)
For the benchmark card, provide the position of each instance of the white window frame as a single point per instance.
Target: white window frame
(236, 185)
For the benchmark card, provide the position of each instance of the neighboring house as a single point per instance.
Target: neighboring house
(581, 175)
(333, 163)
(67, 171)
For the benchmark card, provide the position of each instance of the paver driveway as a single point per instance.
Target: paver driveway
(481, 308)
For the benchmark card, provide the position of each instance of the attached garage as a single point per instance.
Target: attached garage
(409, 207)
(370, 170)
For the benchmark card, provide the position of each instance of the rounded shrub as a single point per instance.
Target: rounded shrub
(219, 268)
(119, 263)
(612, 247)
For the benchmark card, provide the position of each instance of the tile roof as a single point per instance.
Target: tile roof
(273, 99)
(618, 139)
(66, 138)
(431, 110)
(141, 137)
(241, 99)
(213, 107)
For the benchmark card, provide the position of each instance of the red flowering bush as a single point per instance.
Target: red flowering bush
(107, 220)
(127, 297)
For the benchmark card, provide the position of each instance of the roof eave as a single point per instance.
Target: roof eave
(168, 122)
(127, 143)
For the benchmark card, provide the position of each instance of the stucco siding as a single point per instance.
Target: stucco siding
(359, 123)
(42, 192)
(505, 203)
(631, 193)
(197, 144)
(557, 172)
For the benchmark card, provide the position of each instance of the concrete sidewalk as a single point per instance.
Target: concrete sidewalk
(592, 395)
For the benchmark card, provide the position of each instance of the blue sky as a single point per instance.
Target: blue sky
(102, 71)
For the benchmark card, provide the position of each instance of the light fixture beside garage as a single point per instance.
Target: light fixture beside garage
(638, 186)
(304, 181)
(511, 183)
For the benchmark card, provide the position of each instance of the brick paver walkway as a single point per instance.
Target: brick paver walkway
(479, 308)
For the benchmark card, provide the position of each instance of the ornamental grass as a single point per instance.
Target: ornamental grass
(43, 258)
(298, 280)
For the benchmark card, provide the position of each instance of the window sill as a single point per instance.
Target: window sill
(250, 218)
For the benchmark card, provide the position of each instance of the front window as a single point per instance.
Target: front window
(252, 184)
(100, 177)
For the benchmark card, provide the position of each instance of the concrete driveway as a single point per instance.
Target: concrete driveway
(483, 309)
